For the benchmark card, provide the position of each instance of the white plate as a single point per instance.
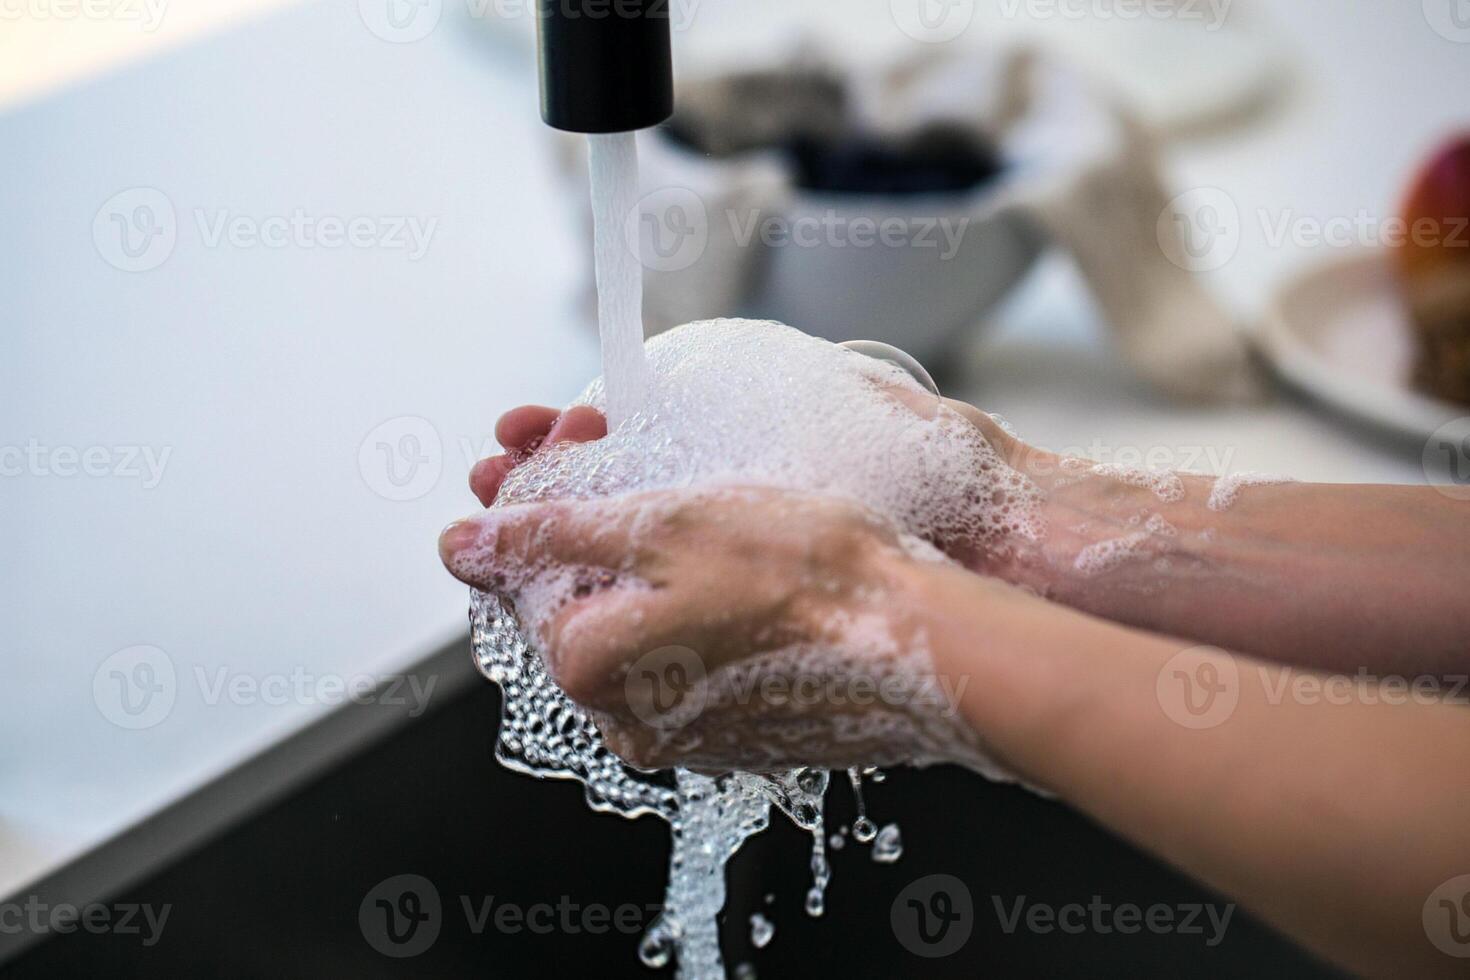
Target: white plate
(1341, 333)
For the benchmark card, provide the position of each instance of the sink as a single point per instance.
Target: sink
(306, 886)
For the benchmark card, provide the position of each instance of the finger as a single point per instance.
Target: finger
(502, 546)
(487, 475)
(923, 403)
(588, 639)
(519, 427)
(580, 423)
(523, 430)
(1000, 440)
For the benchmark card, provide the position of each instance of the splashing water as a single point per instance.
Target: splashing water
(705, 404)
(761, 930)
(721, 406)
(888, 847)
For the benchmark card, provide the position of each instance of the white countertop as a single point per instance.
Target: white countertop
(268, 547)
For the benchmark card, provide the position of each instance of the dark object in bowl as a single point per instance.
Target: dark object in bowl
(734, 114)
(936, 159)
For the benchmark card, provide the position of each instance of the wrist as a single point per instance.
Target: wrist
(993, 649)
(1109, 535)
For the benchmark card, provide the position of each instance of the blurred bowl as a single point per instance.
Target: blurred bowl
(733, 237)
(955, 257)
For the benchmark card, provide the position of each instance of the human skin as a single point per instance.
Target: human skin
(1328, 806)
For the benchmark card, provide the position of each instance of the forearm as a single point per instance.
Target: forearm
(1342, 578)
(1333, 819)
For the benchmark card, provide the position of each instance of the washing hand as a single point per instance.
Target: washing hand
(1264, 800)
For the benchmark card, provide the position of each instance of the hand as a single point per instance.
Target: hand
(737, 628)
(525, 430)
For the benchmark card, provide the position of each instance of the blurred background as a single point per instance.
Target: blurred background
(272, 269)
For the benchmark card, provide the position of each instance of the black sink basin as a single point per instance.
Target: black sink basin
(528, 883)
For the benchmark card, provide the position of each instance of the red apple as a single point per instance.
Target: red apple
(1434, 268)
(1437, 213)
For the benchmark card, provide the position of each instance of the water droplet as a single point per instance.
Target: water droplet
(761, 931)
(888, 847)
(812, 781)
(816, 902)
(657, 945)
(864, 830)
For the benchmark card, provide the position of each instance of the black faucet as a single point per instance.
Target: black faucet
(606, 65)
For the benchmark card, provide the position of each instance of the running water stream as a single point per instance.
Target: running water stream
(613, 165)
(545, 734)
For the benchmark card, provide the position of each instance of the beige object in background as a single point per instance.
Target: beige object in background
(1079, 168)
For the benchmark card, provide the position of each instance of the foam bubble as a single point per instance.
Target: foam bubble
(759, 403)
(728, 404)
(1165, 485)
(1226, 490)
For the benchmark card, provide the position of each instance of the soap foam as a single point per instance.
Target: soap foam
(726, 404)
(1226, 489)
(1104, 556)
(1164, 484)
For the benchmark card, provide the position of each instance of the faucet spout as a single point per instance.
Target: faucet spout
(605, 67)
